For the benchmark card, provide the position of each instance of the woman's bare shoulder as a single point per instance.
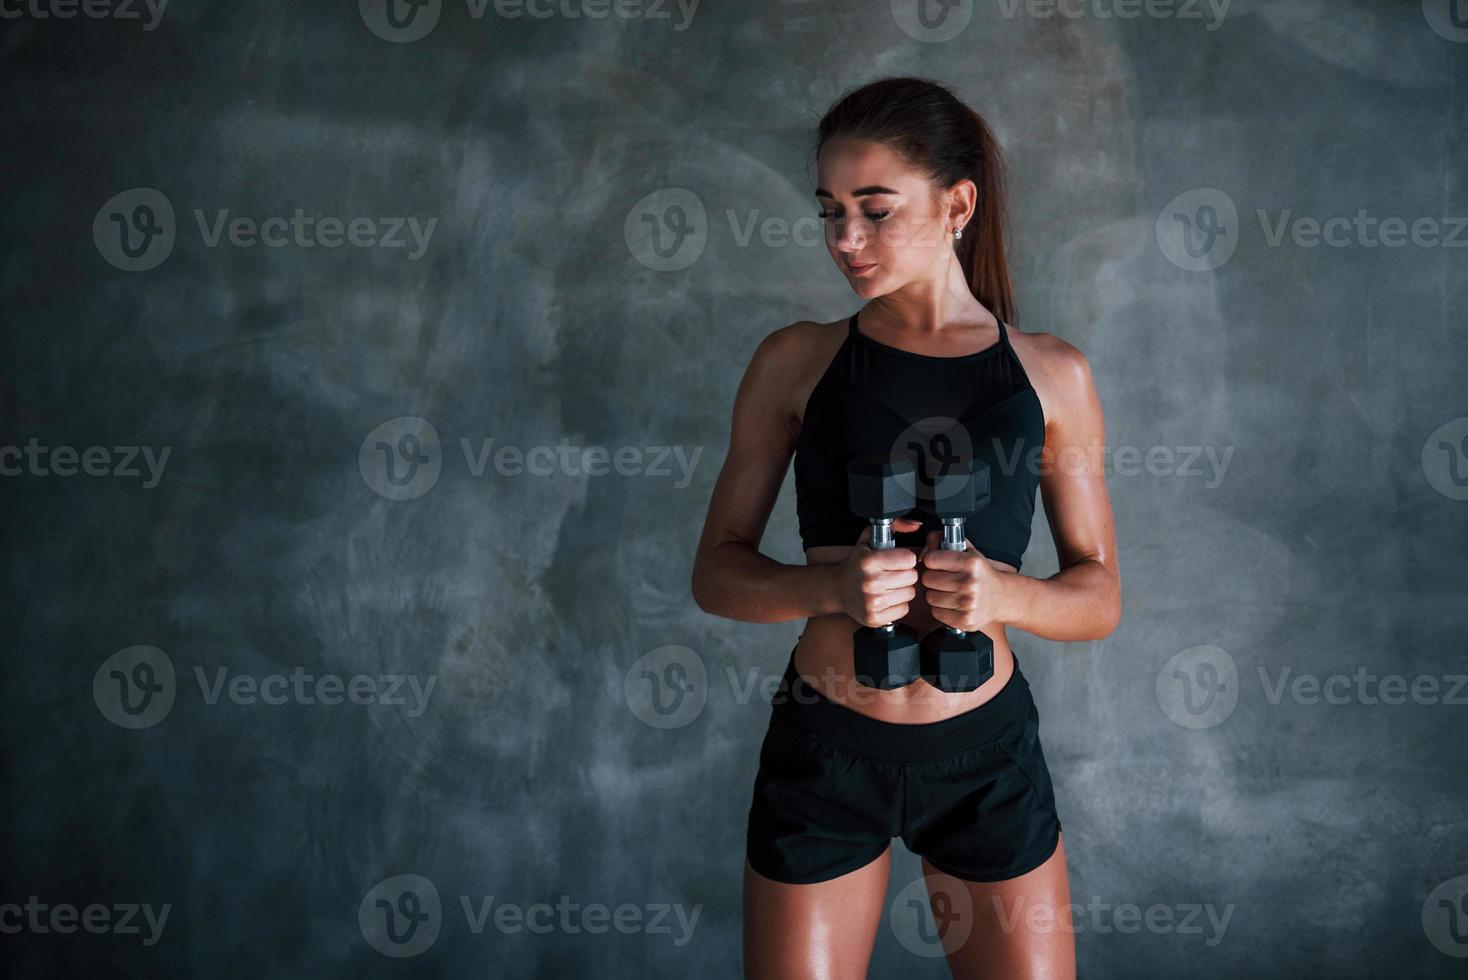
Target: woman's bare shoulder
(1057, 368)
(792, 352)
(788, 361)
(801, 340)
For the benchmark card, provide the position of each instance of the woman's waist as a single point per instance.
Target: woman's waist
(823, 656)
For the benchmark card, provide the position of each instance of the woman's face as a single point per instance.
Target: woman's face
(885, 227)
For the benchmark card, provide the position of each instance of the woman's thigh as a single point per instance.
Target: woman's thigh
(803, 932)
(1019, 929)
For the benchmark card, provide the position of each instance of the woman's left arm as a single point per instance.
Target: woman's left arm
(1082, 601)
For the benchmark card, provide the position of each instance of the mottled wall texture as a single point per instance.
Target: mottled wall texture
(367, 366)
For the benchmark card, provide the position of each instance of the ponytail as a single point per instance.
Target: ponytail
(981, 249)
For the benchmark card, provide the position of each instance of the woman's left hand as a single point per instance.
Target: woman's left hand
(963, 589)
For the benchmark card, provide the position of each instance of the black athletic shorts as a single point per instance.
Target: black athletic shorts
(970, 793)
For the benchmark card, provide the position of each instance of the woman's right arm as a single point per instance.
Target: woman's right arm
(731, 578)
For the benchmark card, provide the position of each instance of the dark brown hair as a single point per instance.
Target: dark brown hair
(931, 128)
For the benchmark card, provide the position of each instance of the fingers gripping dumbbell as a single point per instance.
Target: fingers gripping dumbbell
(882, 487)
(953, 660)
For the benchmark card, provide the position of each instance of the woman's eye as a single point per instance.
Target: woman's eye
(870, 215)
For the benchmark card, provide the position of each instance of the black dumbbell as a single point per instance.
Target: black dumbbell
(953, 660)
(880, 488)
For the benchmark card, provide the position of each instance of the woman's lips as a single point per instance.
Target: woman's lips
(860, 270)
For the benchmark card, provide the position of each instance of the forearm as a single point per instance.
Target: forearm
(736, 581)
(1080, 602)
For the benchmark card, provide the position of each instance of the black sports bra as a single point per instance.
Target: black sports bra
(877, 398)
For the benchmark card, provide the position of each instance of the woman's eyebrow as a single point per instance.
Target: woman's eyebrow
(859, 192)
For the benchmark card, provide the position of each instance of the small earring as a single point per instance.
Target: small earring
(958, 233)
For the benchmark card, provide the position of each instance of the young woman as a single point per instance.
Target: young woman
(911, 186)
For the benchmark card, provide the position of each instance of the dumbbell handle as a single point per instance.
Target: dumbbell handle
(882, 536)
(953, 540)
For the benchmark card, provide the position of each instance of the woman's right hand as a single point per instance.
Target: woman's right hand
(875, 587)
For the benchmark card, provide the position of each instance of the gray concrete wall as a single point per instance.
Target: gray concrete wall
(544, 716)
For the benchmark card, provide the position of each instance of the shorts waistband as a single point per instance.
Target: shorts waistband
(797, 705)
